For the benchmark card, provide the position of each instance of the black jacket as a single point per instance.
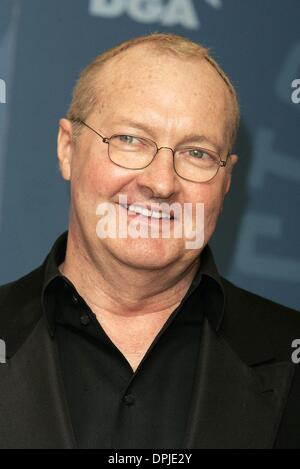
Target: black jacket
(247, 392)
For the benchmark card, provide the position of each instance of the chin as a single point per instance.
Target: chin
(147, 253)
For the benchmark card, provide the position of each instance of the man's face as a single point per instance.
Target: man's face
(165, 99)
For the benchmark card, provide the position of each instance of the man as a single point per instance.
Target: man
(127, 341)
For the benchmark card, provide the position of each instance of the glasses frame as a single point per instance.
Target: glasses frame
(222, 163)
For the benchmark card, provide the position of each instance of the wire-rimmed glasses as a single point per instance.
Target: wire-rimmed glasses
(192, 163)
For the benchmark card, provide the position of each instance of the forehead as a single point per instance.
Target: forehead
(162, 87)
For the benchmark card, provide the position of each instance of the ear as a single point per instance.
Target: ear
(232, 160)
(64, 148)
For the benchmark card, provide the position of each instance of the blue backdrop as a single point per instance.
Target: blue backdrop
(43, 46)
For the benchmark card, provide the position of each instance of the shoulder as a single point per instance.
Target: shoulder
(20, 307)
(252, 303)
(250, 314)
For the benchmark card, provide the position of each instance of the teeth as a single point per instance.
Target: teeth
(159, 215)
(147, 213)
(143, 211)
(155, 214)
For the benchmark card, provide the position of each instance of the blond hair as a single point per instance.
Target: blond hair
(84, 98)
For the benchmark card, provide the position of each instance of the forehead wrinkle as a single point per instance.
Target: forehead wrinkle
(186, 137)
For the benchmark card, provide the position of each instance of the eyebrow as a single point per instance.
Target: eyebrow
(193, 137)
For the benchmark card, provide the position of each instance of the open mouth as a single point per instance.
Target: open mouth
(136, 210)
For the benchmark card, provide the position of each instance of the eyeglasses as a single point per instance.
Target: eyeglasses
(193, 164)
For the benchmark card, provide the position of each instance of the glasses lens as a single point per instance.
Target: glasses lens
(196, 164)
(131, 152)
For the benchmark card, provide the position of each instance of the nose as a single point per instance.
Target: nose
(160, 177)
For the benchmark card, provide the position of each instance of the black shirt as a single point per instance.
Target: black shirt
(110, 405)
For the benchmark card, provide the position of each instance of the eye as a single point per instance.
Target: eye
(197, 153)
(127, 139)
(199, 156)
(130, 143)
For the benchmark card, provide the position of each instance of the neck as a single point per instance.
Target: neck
(118, 289)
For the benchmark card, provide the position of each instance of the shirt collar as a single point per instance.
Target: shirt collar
(53, 280)
(207, 278)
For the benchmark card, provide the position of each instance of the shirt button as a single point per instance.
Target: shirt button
(84, 319)
(129, 399)
(75, 299)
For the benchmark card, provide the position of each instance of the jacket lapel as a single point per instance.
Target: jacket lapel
(34, 412)
(235, 405)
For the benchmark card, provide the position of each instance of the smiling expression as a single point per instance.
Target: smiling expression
(172, 102)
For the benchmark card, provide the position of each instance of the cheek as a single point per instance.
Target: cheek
(212, 198)
(212, 210)
(210, 195)
(109, 180)
(97, 178)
